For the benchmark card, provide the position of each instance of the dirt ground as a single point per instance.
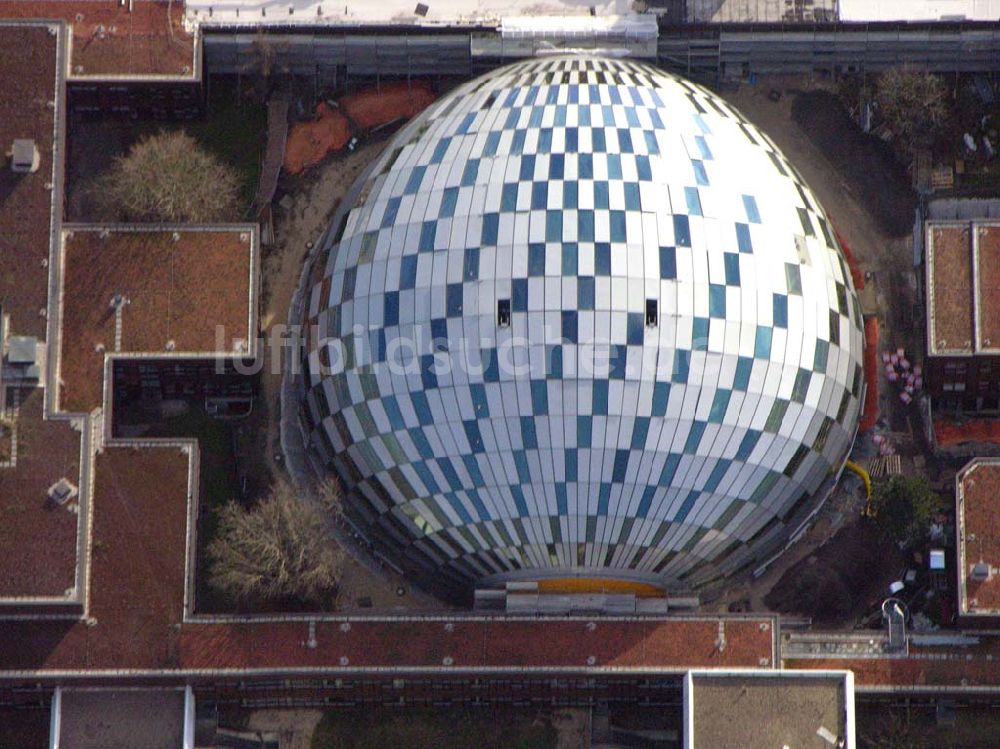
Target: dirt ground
(882, 725)
(312, 200)
(870, 202)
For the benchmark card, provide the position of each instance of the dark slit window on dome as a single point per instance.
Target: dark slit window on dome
(503, 313)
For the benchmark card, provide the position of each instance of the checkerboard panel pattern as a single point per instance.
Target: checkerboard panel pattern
(579, 436)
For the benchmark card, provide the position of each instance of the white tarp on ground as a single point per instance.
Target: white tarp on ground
(340, 13)
(919, 10)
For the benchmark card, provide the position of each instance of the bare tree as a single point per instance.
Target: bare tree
(280, 549)
(913, 105)
(168, 177)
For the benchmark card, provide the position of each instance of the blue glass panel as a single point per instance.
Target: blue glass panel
(517, 142)
(545, 140)
(571, 194)
(539, 196)
(642, 166)
(492, 143)
(602, 259)
(682, 366)
(528, 436)
(694, 437)
(601, 196)
(668, 262)
(491, 228)
(585, 292)
(647, 499)
(762, 344)
(717, 300)
(719, 405)
(617, 226)
(428, 230)
(519, 295)
(518, 497)
(408, 272)
(426, 476)
(585, 429)
(448, 202)
(480, 403)
(717, 474)
(508, 198)
(603, 498)
(470, 264)
(491, 365)
(453, 299)
(585, 166)
(428, 374)
(570, 257)
(632, 197)
(553, 226)
(536, 260)
(780, 311)
(620, 466)
(562, 504)
(693, 201)
(750, 205)
(618, 360)
(521, 463)
(466, 123)
(391, 209)
(699, 333)
(661, 394)
(600, 405)
(744, 366)
(669, 469)
(732, 265)
(390, 313)
(413, 183)
(539, 397)
(440, 149)
(527, 172)
(686, 506)
(439, 333)
(747, 444)
(571, 462)
(570, 326)
(743, 238)
(422, 408)
(625, 141)
(474, 436)
(614, 166)
(700, 175)
(557, 166)
(682, 231)
(600, 144)
(635, 326)
(639, 433)
(470, 172)
(706, 152)
(572, 140)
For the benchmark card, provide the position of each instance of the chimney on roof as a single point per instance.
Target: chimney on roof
(980, 571)
(24, 156)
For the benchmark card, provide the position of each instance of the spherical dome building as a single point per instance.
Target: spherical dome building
(581, 319)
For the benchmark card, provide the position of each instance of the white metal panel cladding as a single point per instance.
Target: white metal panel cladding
(579, 437)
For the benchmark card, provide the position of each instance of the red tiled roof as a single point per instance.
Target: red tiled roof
(28, 81)
(979, 536)
(38, 538)
(181, 286)
(110, 41)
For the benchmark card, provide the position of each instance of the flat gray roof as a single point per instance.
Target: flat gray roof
(121, 718)
(770, 711)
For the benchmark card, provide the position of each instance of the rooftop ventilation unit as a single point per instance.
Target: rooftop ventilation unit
(63, 491)
(980, 572)
(24, 156)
